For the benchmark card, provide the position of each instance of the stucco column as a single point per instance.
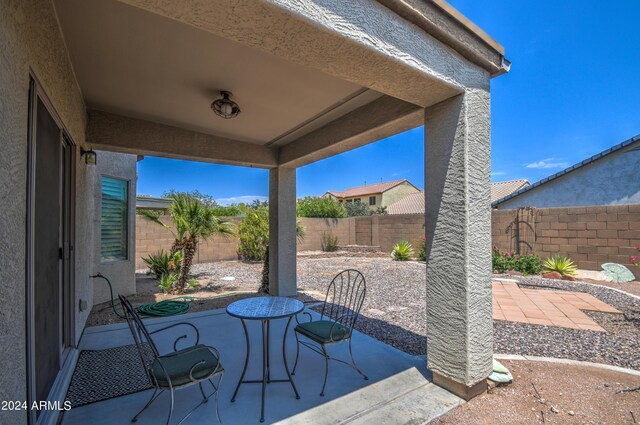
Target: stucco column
(282, 231)
(458, 237)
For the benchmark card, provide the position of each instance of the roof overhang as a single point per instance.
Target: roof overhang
(313, 79)
(446, 24)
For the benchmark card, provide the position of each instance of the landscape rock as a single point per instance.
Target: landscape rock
(569, 278)
(552, 275)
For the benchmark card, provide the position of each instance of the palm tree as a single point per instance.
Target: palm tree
(193, 221)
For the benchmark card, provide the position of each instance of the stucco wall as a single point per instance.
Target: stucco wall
(120, 273)
(612, 180)
(29, 39)
(396, 193)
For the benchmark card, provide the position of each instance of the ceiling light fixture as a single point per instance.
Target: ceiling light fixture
(225, 107)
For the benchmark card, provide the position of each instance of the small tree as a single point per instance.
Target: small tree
(320, 207)
(194, 220)
(253, 233)
(358, 209)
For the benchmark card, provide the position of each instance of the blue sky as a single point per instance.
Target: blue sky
(573, 91)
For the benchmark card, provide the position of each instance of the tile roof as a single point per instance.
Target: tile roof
(367, 190)
(587, 161)
(501, 189)
(412, 204)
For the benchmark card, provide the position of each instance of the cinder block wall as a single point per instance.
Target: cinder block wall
(343, 228)
(589, 235)
(405, 227)
(151, 237)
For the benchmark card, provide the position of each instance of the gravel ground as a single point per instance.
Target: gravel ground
(394, 309)
(619, 346)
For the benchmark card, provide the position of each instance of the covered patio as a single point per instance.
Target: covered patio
(399, 389)
(312, 78)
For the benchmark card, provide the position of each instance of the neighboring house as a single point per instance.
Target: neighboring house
(148, 202)
(501, 189)
(414, 203)
(376, 195)
(608, 178)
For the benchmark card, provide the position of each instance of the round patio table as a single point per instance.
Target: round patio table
(265, 309)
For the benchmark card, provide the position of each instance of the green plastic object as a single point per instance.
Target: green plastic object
(617, 272)
(500, 373)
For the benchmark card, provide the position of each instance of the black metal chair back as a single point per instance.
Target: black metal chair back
(144, 343)
(347, 291)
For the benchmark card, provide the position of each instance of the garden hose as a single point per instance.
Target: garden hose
(164, 308)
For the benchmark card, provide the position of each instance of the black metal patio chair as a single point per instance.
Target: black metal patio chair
(179, 369)
(339, 314)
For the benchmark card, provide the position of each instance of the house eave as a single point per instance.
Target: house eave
(446, 24)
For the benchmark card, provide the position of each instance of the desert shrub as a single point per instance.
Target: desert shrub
(320, 207)
(402, 251)
(634, 259)
(561, 264)
(422, 252)
(227, 211)
(359, 209)
(253, 234)
(161, 263)
(501, 261)
(527, 264)
(329, 242)
(193, 283)
(166, 282)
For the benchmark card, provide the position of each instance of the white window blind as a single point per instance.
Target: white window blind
(113, 220)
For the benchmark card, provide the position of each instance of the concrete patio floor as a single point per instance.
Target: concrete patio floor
(398, 390)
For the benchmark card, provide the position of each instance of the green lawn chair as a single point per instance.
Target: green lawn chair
(179, 369)
(338, 316)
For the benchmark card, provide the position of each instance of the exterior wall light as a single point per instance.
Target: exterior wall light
(225, 107)
(90, 156)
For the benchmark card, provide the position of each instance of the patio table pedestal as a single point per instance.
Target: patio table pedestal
(265, 309)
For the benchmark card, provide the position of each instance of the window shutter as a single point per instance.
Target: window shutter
(114, 220)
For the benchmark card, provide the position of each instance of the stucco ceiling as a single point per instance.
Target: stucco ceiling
(136, 63)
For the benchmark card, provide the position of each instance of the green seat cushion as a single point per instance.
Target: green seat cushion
(178, 365)
(319, 331)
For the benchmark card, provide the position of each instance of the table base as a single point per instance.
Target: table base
(266, 372)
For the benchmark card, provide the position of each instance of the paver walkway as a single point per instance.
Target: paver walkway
(546, 307)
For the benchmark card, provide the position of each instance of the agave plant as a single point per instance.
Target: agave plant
(160, 263)
(167, 281)
(402, 251)
(561, 264)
